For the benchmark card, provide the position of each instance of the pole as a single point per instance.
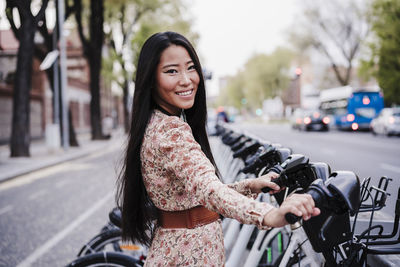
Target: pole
(56, 93)
(63, 70)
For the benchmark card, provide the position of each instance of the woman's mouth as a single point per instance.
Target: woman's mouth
(185, 93)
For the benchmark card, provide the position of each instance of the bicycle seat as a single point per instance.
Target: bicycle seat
(238, 145)
(116, 217)
(322, 170)
(249, 148)
(346, 185)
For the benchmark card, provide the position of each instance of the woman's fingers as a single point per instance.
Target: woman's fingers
(265, 181)
(301, 205)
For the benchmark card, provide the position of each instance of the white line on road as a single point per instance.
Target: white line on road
(37, 194)
(5, 209)
(63, 233)
(389, 167)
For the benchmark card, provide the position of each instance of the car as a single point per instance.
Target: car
(308, 120)
(387, 122)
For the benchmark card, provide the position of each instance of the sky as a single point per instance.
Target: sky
(231, 31)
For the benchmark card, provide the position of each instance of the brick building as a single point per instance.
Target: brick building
(78, 92)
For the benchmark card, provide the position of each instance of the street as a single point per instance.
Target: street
(48, 215)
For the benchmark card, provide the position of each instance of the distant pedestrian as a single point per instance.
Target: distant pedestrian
(169, 191)
(221, 115)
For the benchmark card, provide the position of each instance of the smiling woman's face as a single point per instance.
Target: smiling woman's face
(177, 80)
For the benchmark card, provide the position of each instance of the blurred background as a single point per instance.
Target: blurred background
(319, 76)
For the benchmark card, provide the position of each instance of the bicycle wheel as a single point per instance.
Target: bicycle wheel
(105, 259)
(111, 240)
(101, 241)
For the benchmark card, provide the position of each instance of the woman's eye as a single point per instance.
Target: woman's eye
(171, 71)
(192, 67)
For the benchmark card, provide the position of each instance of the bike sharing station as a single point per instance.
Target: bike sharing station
(346, 233)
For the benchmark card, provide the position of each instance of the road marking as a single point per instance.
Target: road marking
(389, 167)
(37, 194)
(63, 233)
(6, 209)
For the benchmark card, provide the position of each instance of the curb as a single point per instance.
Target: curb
(15, 167)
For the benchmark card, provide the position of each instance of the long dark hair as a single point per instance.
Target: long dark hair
(138, 211)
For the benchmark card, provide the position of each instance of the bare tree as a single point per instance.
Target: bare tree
(20, 131)
(40, 52)
(336, 29)
(92, 46)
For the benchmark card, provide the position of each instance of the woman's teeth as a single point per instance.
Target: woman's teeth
(185, 93)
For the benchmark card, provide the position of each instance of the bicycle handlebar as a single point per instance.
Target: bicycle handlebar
(340, 193)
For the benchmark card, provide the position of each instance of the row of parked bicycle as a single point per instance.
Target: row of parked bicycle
(329, 239)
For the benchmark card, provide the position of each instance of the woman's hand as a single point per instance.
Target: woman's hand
(301, 205)
(259, 183)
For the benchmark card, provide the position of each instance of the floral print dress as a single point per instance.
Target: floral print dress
(178, 176)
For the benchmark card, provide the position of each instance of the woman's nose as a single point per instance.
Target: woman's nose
(185, 79)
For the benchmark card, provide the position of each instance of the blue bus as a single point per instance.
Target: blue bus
(351, 109)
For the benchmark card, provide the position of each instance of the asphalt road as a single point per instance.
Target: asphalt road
(46, 216)
(360, 152)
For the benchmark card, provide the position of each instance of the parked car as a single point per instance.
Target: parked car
(308, 120)
(387, 122)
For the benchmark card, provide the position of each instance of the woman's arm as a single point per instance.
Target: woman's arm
(252, 187)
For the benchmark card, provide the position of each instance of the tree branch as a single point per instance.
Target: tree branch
(9, 13)
(333, 64)
(68, 9)
(46, 36)
(78, 18)
(40, 15)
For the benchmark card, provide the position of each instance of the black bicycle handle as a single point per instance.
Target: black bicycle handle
(292, 218)
(277, 181)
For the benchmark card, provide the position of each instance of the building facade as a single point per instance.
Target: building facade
(41, 102)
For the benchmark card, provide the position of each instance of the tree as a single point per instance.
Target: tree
(92, 44)
(40, 52)
(122, 16)
(233, 93)
(384, 60)
(20, 131)
(147, 17)
(264, 76)
(336, 30)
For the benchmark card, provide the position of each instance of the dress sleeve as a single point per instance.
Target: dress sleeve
(243, 188)
(184, 157)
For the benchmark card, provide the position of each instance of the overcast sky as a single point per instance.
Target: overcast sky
(231, 31)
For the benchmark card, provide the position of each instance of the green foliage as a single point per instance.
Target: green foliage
(136, 20)
(384, 61)
(233, 93)
(264, 76)
(166, 18)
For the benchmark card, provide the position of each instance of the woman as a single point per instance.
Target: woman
(169, 192)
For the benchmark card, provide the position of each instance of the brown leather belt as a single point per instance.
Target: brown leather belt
(190, 218)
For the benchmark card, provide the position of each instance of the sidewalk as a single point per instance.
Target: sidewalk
(42, 157)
